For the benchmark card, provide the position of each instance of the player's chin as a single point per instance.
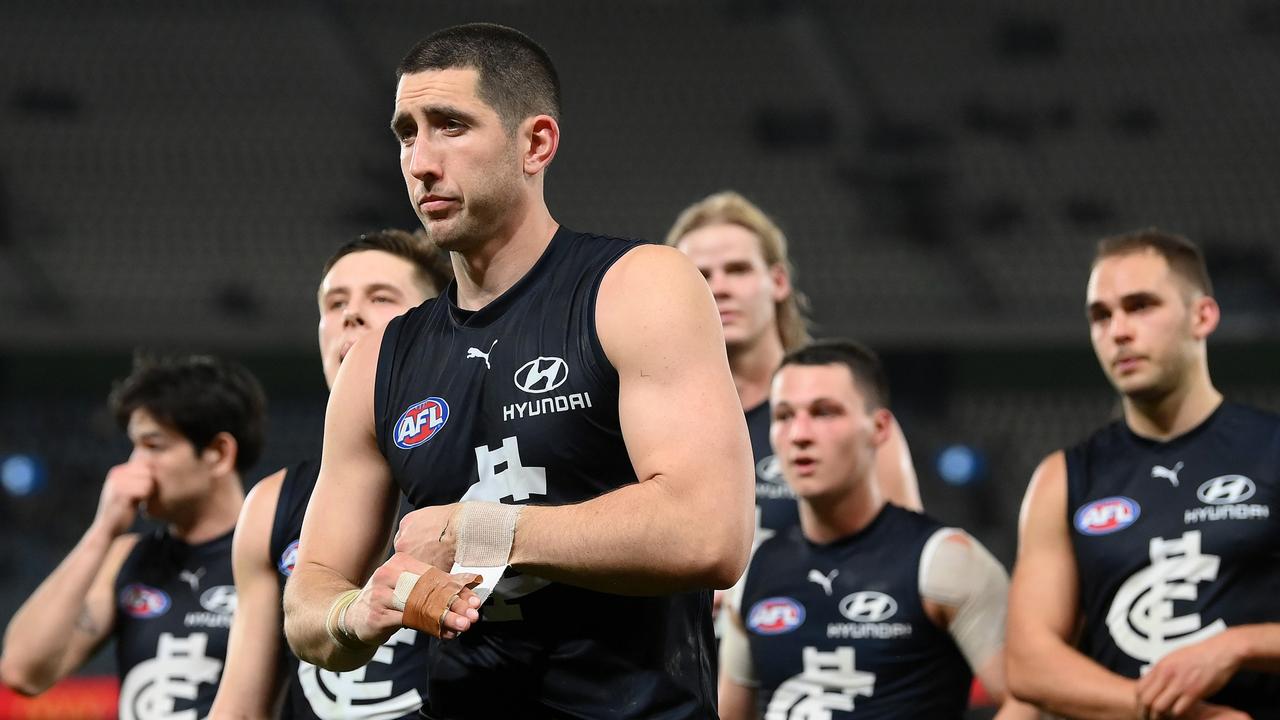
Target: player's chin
(806, 485)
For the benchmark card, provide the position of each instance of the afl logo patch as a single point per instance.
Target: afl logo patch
(1107, 515)
(142, 601)
(775, 616)
(289, 559)
(421, 422)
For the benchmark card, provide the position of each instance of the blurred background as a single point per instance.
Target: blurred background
(173, 173)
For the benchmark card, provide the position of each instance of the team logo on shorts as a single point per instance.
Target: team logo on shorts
(1107, 515)
(288, 559)
(142, 601)
(775, 616)
(421, 422)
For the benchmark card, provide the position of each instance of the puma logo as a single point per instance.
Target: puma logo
(192, 578)
(473, 353)
(824, 580)
(1161, 471)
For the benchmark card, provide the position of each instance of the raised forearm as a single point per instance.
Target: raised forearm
(35, 642)
(651, 537)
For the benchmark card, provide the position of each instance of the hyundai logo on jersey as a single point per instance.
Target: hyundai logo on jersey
(142, 601)
(220, 599)
(1226, 490)
(1107, 515)
(542, 375)
(288, 559)
(774, 616)
(421, 422)
(868, 606)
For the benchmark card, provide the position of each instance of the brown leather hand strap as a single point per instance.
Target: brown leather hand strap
(430, 599)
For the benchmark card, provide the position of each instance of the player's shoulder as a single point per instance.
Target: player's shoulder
(1053, 465)
(258, 512)
(920, 522)
(1250, 416)
(647, 257)
(266, 492)
(947, 540)
(650, 278)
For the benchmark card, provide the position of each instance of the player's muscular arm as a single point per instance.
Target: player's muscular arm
(688, 522)
(346, 530)
(1041, 667)
(896, 474)
(250, 685)
(79, 595)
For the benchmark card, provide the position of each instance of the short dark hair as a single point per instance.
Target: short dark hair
(863, 363)
(516, 76)
(431, 264)
(199, 396)
(1184, 257)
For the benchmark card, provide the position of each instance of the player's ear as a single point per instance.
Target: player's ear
(781, 281)
(220, 454)
(541, 136)
(1205, 314)
(881, 426)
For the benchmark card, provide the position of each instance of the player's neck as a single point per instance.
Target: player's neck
(827, 520)
(486, 271)
(753, 367)
(1175, 413)
(215, 516)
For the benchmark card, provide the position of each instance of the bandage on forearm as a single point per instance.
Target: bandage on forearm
(425, 599)
(486, 531)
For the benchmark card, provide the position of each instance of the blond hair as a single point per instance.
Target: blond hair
(730, 208)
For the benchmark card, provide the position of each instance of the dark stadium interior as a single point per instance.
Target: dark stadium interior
(173, 174)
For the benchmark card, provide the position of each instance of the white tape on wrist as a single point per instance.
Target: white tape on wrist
(486, 531)
(336, 620)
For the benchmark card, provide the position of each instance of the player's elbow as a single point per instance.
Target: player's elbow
(706, 554)
(724, 570)
(1022, 674)
(728, 554)
(296, 633)
(21, 679)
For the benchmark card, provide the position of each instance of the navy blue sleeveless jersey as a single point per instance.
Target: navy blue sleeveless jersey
(1175, 541)
(391, 686)
(776, 507)
(174, 604)
(517, 403)
(840, 628)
